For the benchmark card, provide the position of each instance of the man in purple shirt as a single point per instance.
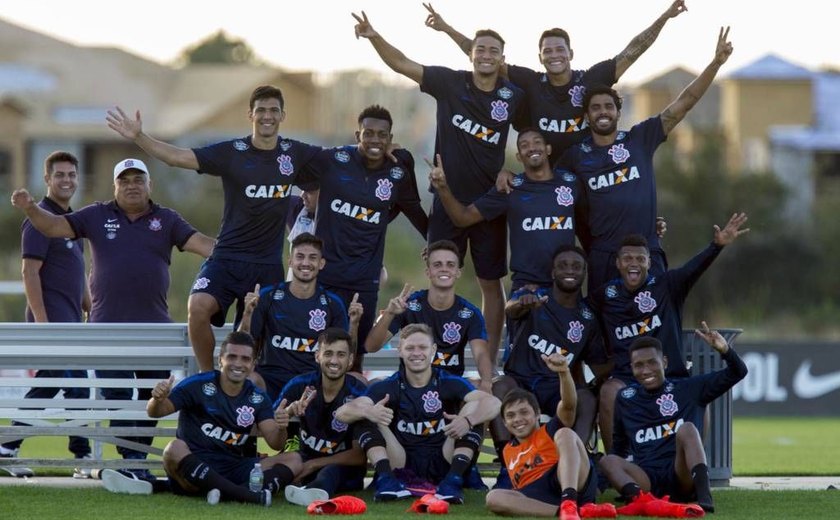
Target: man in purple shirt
(53, 273)
(131, 240)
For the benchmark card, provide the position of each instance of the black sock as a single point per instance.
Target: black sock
(383, 467)
(277, 477)
(499, 446)
(328, 479)
(568, 494)
(702, 487)
(630, 491)
(202, 476)
(459, 465)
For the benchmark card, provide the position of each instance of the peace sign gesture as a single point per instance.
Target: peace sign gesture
(363, 27)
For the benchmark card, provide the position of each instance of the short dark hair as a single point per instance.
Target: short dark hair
(308, 239)
(568, 247)
(555, 31)
(645, 342)
(376, 112)
(491, 33)
(520, 394)
(634, 240)
(237, 338)
(59, 156)
(444, 245)
(529, 130)
(333, 334)
(596, 90)
(265, 92)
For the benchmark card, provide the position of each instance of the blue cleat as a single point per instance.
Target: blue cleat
(451, 489)
(388, 488)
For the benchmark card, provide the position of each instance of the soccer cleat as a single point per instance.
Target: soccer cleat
(593, 510)
(706, 502)
(343, 505)
(429, 504)
(214, 496)
(303, 496)
(389, 488)
(473, 480)
(292, 444)
(125, 482)
(664, 509)
(83, 472)
(569, 510)
(503, 479)
(15, 471)
(417, 486)
(451, 489)
(636, 507)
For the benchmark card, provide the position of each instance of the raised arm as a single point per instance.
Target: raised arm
(567, 407)
(676, 111)
(159, 404)
(380, 333)
(252, 298)
(393, 57)
(53, 226)
(515, 308)
(462, 216)
(645, 39)
(436, 22)
(132, 129)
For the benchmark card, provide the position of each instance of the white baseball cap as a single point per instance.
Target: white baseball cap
(130, 164)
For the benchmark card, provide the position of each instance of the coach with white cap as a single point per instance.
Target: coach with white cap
(131, 240)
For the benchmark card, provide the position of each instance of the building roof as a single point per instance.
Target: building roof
(772, 67)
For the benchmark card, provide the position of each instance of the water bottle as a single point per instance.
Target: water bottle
(255, 480)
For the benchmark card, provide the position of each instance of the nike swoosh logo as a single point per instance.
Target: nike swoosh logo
(515, 461)
(111, 220)
(808, 386)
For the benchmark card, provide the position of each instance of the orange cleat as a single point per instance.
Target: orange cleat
(343, 505)
(593, 510)
(569, 510)
(430, 504)
(637, 506)
(663, 508)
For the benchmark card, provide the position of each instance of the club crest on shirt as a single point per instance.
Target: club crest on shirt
(612, 291)
(396, 173)
(505, 93)
(431, 401)
(451, 332)
(413, 306)
(465, 313)
(586, 313)
(201, 283)
(317, 320)
(575, 333)
(208, 389)
(256, 398)
(244, 416)
(323, 299)
(337, 425)
(628, 392)
(383, 189)
(576, 93)
(285, 165)
(618, 153)
(667, 405)
(342, 156)
(585, 148)
(499, 111)
(518, 180)
(278, 295)
(645, 301)
(564, 196)
(568, 176)
(239, 145)
(285, 145)
(669, 387)
(155, 225)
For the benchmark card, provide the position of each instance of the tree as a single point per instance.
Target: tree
(219, 48)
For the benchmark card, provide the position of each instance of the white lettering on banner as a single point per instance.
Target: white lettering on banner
(762, 381)
(806, 385)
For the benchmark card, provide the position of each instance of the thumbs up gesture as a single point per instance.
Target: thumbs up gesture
(281, 415)
(380, 413)
(252, 299)
(162, 389)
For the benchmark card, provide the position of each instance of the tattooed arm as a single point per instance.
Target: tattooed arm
(645, 39)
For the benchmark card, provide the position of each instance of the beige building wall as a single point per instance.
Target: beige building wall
(13, 143)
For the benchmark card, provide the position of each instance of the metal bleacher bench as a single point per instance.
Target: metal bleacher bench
(165, 346)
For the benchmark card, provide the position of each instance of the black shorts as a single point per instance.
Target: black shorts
(236, 469)
(229, 280)
(369, 300)
(663, 481)
(274, 381)
(345, 478)
(602, 267)
(546, 390)
(427, 463)
(549, 490)
(487, 241)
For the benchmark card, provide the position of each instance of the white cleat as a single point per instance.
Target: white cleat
(303, 496)
(117, 482)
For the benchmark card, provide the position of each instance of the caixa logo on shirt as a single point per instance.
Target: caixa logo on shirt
(220, 434)
(476, 130)
(295, 344)
(658, 432)
(562, 126)
(639, 328)
(611, 179)
(356, 212)
(268, 191)
(548, 348)
(547, 224)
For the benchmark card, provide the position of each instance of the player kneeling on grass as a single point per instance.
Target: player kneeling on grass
(421, 418)
(548, 464)
(658, 421)
(219, 412)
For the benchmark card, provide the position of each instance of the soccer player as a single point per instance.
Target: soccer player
(474, 113)
(454, 321)
(548, 464)
(616, 168)
(421, 418)
(131, 240)
(641, 303)
(554, 97)
(658, 421)
(53, 271)
(257, 173)
(361, 192)
(540, 210)
(330, 460)
(549, 320)
(219, 411)
(286, 319)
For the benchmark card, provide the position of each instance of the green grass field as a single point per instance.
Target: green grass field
(761, 447)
